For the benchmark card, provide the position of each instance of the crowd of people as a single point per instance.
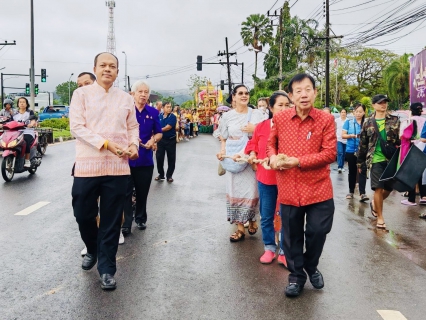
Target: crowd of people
(267, 165)
(277, 159)
(366, 152)
(116, 136)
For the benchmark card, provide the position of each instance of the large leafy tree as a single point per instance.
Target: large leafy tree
(64, 89)
(300, 43)
(256, 31)
(397, 79)
(359, 73)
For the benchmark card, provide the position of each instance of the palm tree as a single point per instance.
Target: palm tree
(256, 31)
(397, 79)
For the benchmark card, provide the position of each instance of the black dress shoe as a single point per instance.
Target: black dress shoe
(317, 280)
(89, 261)
(108, 282)
(293, 290)
(141, 225)
(126, 231)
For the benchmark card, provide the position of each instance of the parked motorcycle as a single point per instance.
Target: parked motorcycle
(13, 144)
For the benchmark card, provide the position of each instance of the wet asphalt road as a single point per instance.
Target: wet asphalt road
(183, 265)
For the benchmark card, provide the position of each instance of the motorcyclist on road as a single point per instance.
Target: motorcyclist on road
(8, 111)
(26, 116)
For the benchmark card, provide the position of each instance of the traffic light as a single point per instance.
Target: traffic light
(27, 89)
(43, 75)
(36, 89)
(199, 63)
(222, 85)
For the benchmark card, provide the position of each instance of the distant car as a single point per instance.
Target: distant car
(54, 112)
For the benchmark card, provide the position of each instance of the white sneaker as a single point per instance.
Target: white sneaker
(84, 252)
(27, 164)
(343, 170)
(121, 239)
(339, 170)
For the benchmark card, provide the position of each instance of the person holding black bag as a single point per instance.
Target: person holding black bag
(378, 142)
(410, 133)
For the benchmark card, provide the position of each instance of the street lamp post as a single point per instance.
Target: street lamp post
(32, 75)
(125, 72)
(69, 89)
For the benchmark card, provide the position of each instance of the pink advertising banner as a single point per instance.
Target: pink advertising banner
(418, 78)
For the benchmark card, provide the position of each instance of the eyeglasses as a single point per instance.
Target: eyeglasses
(241, 93)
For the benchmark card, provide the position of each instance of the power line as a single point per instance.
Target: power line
(361, 4)
(273, 5)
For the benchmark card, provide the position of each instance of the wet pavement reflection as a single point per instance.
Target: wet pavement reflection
(405, 232)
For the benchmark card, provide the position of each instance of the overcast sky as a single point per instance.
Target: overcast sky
(160, 36)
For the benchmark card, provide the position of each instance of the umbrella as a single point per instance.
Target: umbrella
(223, 108)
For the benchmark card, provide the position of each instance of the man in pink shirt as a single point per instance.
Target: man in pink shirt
(102, 119)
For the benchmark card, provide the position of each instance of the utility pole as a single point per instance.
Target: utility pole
(280, 32)
(32, 73)
(281, 50)
(327, 52)
(242, 74)
(229, 66)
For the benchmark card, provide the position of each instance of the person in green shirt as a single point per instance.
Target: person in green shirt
(370, 152)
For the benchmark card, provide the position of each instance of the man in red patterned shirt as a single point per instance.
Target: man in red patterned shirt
(307, 137)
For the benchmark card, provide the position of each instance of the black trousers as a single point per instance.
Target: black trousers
(102, 242)
(191, 129)
(412, 193)
(353, 171)
(319, 219)
(140, 178)
(29, 139)
(168, 146)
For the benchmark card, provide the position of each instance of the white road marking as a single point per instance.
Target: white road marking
(32, 208)
(391, 315)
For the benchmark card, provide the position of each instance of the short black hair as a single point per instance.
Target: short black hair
(91, 75)
(299, 78)
(96, 58)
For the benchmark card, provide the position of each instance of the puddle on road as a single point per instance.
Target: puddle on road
(404, 245)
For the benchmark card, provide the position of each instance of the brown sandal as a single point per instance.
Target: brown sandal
(237, 236)
(252, 228)
(381, 226)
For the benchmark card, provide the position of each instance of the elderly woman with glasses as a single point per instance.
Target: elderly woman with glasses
(241, 188)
